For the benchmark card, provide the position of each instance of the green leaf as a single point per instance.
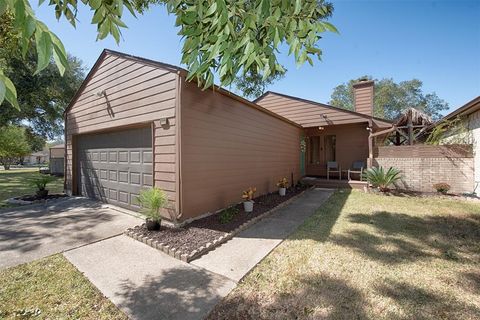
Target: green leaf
(10, 91)
(3, 8)
(211, 9)
(44, 49)
(95, 4)
(298, 6)
(59, 54)
(3, 90)
(330, 27)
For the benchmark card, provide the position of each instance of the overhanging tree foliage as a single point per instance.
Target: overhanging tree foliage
(223, 37)
(392, 99)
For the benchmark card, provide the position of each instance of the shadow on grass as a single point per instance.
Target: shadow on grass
(178, 293)
(321, 297)
(399, 237)
(419, 303)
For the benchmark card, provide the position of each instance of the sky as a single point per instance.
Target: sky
(437, 42)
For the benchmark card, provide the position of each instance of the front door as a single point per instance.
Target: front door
(320, 149)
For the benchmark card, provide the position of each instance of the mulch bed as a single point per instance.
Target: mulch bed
(201, 234)
(37, 198)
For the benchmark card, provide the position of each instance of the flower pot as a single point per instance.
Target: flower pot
(282, 191)
(42, 193)
(248, 206)
(152, 225)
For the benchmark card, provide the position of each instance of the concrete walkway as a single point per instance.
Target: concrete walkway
(148, 284)
(235, 258)
(32, 232)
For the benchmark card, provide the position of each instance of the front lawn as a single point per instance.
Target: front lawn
(367, 256)
(15, 182)
(51, 288)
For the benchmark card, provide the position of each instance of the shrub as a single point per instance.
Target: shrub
(282, 183)
(41, 181)
(151, 201)
(248, 194)
(381, 179)
(226, 215)
(442, 187)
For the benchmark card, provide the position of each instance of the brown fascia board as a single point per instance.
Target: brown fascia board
(183, 72)
(322, 105)
(361, 83)
(470, 107)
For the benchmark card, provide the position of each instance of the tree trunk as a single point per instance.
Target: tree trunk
(6, 166)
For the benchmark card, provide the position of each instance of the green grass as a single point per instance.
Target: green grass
(367, 256)
(15, 182)
(51, 288)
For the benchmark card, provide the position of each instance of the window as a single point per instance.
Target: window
(314, 148)
(330, 148)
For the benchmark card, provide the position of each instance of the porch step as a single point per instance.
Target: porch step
(334, 183)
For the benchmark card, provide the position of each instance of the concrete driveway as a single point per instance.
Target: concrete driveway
(33, 232)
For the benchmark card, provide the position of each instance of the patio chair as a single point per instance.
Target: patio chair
(333, 167)
(357, 167)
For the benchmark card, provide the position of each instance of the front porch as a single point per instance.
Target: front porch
(334, 183)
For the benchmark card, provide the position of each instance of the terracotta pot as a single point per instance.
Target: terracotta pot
(282, 191)
(152, 225)
(248, 206)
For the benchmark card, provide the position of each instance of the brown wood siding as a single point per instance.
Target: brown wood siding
(136, 93)
(351, 145)
(363, 97)
(307, 114)
(228, 146)
(424, 151)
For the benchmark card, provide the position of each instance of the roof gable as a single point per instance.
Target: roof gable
(310, 113)
(111, 63)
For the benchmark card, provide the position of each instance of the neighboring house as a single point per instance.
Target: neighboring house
(137, 123)
(39, 157)
(469, 116)
(57, 159)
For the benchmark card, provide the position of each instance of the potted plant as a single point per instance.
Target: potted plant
(381, 179)
(40, 183)
(442, 187)
(152, 201)
(282, 187)
(248, 197)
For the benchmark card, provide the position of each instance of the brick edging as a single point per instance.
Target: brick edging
(173, 252)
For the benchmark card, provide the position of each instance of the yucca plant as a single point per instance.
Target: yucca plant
(381, 179)
(152, 201)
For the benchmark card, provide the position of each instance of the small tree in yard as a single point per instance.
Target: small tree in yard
(13, 145)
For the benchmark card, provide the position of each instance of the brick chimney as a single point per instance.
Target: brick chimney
(363, 97)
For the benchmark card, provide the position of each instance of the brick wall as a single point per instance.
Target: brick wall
(419, 174)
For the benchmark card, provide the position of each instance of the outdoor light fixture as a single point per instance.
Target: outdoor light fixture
(321, 128)
(164, 121)
(369, 129)
(100, 93)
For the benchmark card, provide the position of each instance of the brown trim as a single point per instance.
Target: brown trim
(321, 105)
(464, 109)
(178, 144)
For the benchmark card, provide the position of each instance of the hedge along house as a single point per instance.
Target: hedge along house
(136, 123)
(331, 134)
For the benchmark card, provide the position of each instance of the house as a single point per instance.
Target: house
(137, 123)
(57, 159)
(468, 128)
(39, 157)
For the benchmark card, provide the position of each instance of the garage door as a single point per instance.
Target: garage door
(115, 166)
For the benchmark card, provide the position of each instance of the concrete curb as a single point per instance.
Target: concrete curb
(195, 254)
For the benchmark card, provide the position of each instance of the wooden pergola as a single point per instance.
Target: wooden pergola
(407, 129)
